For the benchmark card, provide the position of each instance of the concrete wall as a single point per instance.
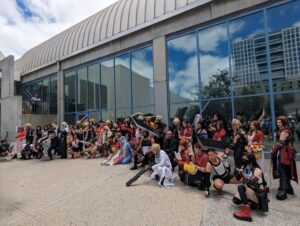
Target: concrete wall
(41, 120)
(156, 34)
(11, 106)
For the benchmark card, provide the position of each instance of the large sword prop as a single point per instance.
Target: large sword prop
(138, 175)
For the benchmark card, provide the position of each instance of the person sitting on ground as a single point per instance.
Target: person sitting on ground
(4, 148)
(174, 127)
(220, 132)
(162, 170)
(186, 132)
(252, 194)
(182, 157)
(125, 155)
(115, 151)
(91, 148)
(143, 154)
(201, 130)
(160, 127)
(74, 147)
(220, 169)
(105, 138)
(197, 177)
(170, 147)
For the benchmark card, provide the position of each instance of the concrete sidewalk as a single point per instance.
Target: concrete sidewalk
(287, 213)
(82, 192)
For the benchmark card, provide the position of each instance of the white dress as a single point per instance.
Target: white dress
(163, 168)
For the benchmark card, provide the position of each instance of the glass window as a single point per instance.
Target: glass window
(70, 91)
(94, 87)
(283, 27)
(95, 116)
(108, 114)
(123, 113)
(249, 55)
(107, 85)
(254, 108)
(183, 69)
(45, 96)
(142, 77)
(123, 81)
(221, 107)
(288, 104)
(70, 118)
(53, 95)
(82, 89)
(144, 110)
(214, 62)
(191, 111)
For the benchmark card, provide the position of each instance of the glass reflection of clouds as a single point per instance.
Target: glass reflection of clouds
(142, 77)
(183, 70)
(284, 16)
(213, 46)
(123, 81)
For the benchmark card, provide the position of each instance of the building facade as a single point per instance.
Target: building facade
(154, 56)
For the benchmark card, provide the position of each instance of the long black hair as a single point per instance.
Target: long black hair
(252, 160)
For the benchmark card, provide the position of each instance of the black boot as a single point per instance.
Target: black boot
(290, 190)
(135, 160)
(281, 195)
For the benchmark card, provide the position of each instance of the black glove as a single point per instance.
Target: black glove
(237, 174)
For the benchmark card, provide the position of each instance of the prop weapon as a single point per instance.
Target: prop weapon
(141, 124)
(138, 175)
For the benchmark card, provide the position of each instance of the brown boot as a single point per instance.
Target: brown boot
(244, 213)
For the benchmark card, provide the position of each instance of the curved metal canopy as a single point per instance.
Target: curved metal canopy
(115, 21)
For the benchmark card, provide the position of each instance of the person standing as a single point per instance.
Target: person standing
(283, 157)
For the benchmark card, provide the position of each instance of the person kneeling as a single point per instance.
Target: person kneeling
(162, 170)
(220, 170)
(253, 192)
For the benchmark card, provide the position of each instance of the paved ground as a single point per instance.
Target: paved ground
(82, 192)
(285, 213)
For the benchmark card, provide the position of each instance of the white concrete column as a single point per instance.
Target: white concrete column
(160, 78)
(60, 94)
(11, 105)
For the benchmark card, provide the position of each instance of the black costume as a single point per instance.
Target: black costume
(239, 147)
(63, 144)
(29, 135)
(54, 145)
(170, 146)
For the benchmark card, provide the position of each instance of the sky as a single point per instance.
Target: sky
(27, 23)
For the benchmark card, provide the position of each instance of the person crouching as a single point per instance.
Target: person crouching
(162, 170)
(252, 194)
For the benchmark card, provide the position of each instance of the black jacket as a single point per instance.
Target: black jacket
(170, 145)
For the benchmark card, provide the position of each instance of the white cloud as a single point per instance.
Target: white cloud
(297, 24)
(210, 65)
(19, 33)
(186, 44)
